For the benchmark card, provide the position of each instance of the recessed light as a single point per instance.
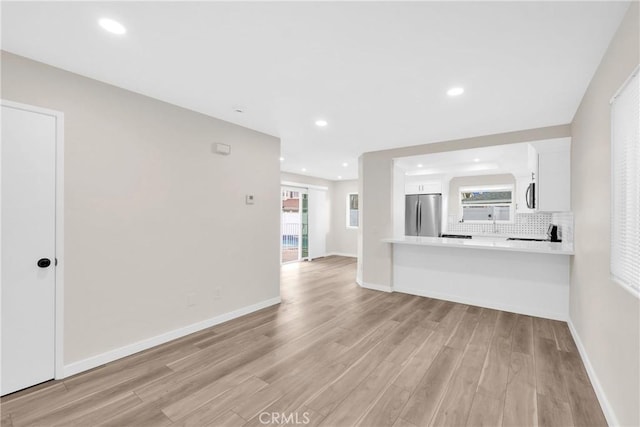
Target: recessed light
(112, 26)
(282, 159)
(455, 91)
(304, 169)
(476, 160)
(345, 164)
(420, 165)
(339, 177)
(321, 123)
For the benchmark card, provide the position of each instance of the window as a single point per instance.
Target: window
(625, 185)
(352, 210)
(487, 203)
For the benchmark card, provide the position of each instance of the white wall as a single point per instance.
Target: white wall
(605, 317)
(151, 214)
(304, 179)
(319, 209)
(342, 240)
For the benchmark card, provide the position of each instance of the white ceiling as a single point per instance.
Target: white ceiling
(508, 158)
(376, 71)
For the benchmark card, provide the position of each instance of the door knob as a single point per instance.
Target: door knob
(44, 262)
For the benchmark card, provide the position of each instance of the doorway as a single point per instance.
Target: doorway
(294, 225)
(32, 233)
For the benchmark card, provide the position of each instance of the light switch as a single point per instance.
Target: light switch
(249, 199)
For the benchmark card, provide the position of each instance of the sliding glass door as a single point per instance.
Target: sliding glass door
(293, 224)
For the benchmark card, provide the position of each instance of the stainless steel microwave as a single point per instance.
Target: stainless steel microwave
(530, 196)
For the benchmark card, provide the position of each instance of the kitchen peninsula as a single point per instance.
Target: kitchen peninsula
(522, 277)
(489, 226)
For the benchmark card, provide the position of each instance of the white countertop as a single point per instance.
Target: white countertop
(488, 243)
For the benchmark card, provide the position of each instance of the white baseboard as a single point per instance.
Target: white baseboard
(483, 303)
(342, 254)
(609, 414)
(374, 287)
(129, 349)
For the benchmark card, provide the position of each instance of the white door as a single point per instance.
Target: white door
(28, 151)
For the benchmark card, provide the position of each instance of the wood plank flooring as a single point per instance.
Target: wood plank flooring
(333, 354)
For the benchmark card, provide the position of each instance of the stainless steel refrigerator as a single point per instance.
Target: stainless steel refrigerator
(423, 215)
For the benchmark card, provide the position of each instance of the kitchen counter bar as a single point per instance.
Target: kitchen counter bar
(517, 276)
(487, 243)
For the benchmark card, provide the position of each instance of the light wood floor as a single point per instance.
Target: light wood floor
(290, 254)
(335, 355)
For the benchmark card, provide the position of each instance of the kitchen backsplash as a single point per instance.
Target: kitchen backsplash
(528, 224)
(564, 221)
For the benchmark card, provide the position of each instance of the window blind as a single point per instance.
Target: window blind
(625, 185)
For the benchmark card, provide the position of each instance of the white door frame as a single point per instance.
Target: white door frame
(300, 190)
(59, 231)
(306, 187)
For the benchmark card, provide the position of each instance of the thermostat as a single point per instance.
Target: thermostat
(223, 149)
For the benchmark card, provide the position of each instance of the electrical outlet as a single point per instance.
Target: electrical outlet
(191, 299)
(217, 294)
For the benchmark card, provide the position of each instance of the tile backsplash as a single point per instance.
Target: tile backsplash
(525, 224)
(564, 221)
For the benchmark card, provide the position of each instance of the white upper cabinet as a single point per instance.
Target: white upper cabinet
(554, 192)
(522, 183)
(532, 162)
(525, 179)
(553, 178)
(426, 187)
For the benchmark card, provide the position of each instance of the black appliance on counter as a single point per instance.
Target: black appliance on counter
(552, 233)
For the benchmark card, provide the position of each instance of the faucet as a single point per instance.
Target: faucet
(492, 215)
